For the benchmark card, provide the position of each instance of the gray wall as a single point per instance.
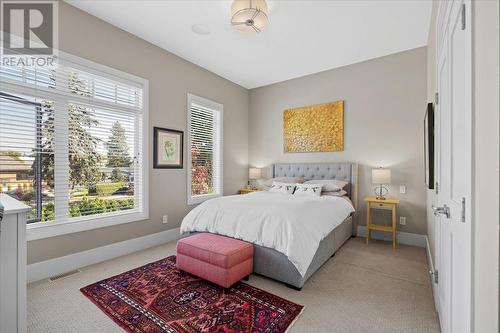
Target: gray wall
(486, 165)
(170, 79)
(384, 108)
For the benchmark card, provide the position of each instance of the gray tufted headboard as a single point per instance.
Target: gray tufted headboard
(342, 171)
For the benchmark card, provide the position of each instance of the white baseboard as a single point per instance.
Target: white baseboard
(430, 262)
(406, 238)
(45, 269)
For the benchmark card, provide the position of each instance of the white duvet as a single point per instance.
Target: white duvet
(292, 225)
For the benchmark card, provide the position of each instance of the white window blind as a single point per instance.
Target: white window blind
(23, 147)
(205, 149)
(72, 142)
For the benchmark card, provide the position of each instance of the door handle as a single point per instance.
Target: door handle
(445, 210)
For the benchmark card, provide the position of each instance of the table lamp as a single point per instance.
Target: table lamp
(380, 177)
(254, 174)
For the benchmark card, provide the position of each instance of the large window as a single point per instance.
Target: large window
(72, 144)
(205, 149)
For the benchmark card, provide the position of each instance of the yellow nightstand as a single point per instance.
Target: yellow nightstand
(387, 204)
(249, 190)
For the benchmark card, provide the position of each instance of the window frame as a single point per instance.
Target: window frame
(40, 230)
(216, 107)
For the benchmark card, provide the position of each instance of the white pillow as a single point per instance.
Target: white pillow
(340, 193)
(329, 185)
(266, 184)
(313, 190)
(282, 188)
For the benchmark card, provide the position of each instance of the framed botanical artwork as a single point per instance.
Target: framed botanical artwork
(168, 146)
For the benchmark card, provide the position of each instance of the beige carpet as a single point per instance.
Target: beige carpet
(364, 288)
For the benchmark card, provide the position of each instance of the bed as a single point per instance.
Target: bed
(272, 261)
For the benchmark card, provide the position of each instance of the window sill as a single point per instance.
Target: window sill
(197, 199)
(45, 230)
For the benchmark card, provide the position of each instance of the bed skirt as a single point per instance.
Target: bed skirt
(275, 265)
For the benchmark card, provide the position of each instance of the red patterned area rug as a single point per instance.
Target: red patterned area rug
(157, 298)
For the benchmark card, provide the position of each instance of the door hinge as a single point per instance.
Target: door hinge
(462, 213)
(437, 188)
(434, 276)
(463, 16)
(436, 98)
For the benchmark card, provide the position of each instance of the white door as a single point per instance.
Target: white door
(454, 170)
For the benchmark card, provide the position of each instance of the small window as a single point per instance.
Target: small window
(205, 149)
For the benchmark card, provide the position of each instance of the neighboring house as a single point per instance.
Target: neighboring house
(126, 174)
(15, 173)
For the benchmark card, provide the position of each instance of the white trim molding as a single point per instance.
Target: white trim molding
(432, 271)
(45, 269)
(406, 238)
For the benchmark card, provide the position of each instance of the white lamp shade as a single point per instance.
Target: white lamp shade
(381, 176)
(249, 15)
(254, 173)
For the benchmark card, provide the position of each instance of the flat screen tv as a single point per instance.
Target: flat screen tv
(429, 146)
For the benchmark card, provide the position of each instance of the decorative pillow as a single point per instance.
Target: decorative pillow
(313, 190)
(282, 188)
(266, 184)
(329, 185)
(340, 193)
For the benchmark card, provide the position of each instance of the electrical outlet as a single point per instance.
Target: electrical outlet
(402, 189)
(165, 219)
(402, 220)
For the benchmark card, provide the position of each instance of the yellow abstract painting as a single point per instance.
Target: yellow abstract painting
(316, 128)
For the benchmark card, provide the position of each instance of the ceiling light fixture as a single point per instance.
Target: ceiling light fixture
(249, 15)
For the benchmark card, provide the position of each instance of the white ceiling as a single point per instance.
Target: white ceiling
(302, 37)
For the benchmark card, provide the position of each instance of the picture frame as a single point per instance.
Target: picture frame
(429, 146)
(168, 148)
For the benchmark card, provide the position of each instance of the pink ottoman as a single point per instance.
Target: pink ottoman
(218, 259)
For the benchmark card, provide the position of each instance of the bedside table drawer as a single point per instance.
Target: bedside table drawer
(381, 205)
